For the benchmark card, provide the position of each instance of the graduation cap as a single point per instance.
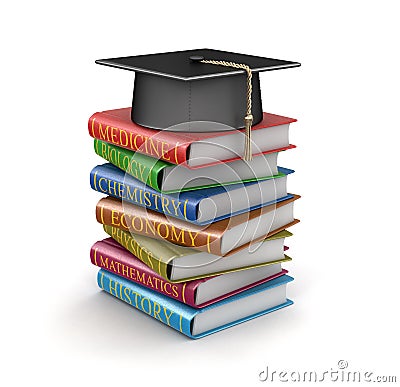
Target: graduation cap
(197, 85)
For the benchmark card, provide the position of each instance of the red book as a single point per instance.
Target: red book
(194, 149)
(111, 256)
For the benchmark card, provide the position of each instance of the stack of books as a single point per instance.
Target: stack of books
(196, 234)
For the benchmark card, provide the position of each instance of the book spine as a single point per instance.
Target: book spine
(127, 161)
(122, 263)
(111, 212)
(125, 240)
(147, 301)
(114, 183)
(115, 131)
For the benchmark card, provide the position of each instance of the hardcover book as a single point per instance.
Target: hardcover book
(218, 238)
(111, 256)
(166, 177)
(177, 263)
(194, 148)
(196, 323)
(200, 206)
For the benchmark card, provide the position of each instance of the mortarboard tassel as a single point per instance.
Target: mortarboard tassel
(248, 119)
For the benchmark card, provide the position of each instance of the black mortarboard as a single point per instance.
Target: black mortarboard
(178, 87)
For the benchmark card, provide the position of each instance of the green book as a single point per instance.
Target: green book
(168, 178)
(178, 264)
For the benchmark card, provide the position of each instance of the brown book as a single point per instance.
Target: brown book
(219, 238)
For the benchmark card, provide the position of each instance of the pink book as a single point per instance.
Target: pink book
(111, 256)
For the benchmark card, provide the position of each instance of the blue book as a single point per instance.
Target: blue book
(197, 323)
(202, 206)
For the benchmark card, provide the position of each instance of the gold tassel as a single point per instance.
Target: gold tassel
(248, 154)
(248, 119)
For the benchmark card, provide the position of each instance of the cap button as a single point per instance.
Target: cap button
(196, 58)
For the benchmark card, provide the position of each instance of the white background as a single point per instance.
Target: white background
(58, 329)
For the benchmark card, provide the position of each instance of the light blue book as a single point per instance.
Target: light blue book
(197, 323)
